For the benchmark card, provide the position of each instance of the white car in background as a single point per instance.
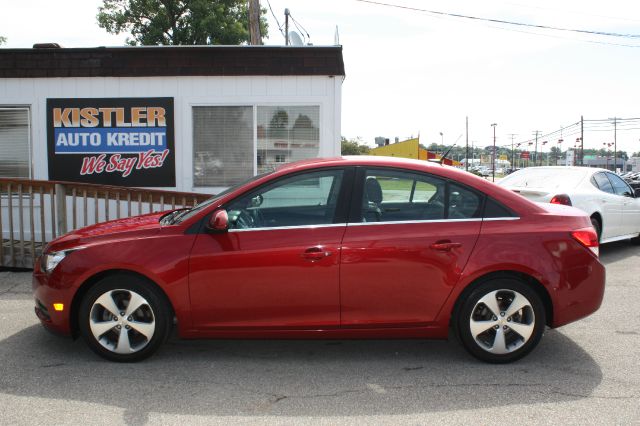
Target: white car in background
(614, 207)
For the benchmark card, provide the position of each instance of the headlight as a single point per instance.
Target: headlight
(51, 260)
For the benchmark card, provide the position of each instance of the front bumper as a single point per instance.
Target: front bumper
(47, 291)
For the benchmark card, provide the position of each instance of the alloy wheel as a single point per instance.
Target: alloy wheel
(122, 321)
(502, 321)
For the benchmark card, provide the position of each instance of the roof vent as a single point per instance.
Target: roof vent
(47, 46)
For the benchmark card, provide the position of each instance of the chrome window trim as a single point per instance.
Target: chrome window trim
(278, 228)
(397, 222)
(400, 222)
(408, 222)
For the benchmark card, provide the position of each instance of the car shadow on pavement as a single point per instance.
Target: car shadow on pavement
(618, 251)
(294, 378)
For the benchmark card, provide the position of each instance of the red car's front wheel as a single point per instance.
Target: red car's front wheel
(123, 318)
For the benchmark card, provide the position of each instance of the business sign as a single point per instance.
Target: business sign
(112, 141)
(524, 155)
(571, 157)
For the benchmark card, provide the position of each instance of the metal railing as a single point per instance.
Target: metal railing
(33, 212)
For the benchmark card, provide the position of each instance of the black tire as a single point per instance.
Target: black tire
(596, 225)
(154, 314)
(472, 311)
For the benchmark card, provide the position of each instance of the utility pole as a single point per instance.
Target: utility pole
(286, 27)
(254, 22)
(513, 152)
(493, 154)
(535, 157)
(582, 140)
(615, 141)
(466, 163)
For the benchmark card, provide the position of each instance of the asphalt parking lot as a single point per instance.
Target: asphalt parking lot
(585, 373)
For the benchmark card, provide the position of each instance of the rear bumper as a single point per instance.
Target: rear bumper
(581, 292)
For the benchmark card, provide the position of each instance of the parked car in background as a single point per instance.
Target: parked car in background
(480, 171)
(632, 178)
(610, 202)
(354, 247)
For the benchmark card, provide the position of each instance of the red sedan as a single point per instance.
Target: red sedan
(357, 247)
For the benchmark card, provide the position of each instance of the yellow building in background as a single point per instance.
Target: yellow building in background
(405, 149)
(409, 149)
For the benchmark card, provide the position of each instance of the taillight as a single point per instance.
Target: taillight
(561, 199)
(588, 237)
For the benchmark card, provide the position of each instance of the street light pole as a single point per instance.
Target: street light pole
(493, 154)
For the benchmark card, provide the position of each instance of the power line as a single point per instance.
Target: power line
(564, 38)
(501, 21)
(300, 27)
(276, 18)
(572, 12)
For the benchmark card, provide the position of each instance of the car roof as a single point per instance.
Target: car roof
(562, 168)
(358, 160)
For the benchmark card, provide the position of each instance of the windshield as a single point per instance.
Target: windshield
(186, 214)
(544, 178)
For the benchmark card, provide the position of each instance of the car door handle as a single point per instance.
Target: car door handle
(444, 245)
(315, 253)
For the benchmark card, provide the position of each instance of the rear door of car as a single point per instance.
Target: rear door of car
(408, 239)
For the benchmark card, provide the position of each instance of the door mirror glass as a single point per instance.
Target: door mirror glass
(219, 221)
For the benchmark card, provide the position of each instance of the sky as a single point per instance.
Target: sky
(411, 73)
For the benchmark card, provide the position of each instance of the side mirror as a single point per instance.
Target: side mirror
(219, 221)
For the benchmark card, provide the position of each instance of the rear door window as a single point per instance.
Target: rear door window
(394, 195)
(619, 186)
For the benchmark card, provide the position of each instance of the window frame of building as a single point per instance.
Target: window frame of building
(29, 134)
(258, 159)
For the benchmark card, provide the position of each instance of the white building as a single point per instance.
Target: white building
(182, 118)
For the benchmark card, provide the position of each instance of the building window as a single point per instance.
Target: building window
(223, 153)
(286, 134)
(14, 143)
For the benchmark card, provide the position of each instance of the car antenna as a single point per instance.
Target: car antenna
(441, 160)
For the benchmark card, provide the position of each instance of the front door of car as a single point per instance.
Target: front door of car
(278, 265)
(612, 206)
(405, 247)
(630, 223)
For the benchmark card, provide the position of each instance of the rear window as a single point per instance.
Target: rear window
(544, 178)
(494, 209)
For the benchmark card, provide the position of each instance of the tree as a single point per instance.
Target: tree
(353, 147)
(179, 22)
(303, 121)
(3, 40)
(279, 120)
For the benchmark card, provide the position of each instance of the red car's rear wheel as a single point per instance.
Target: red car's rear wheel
(501, 320)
